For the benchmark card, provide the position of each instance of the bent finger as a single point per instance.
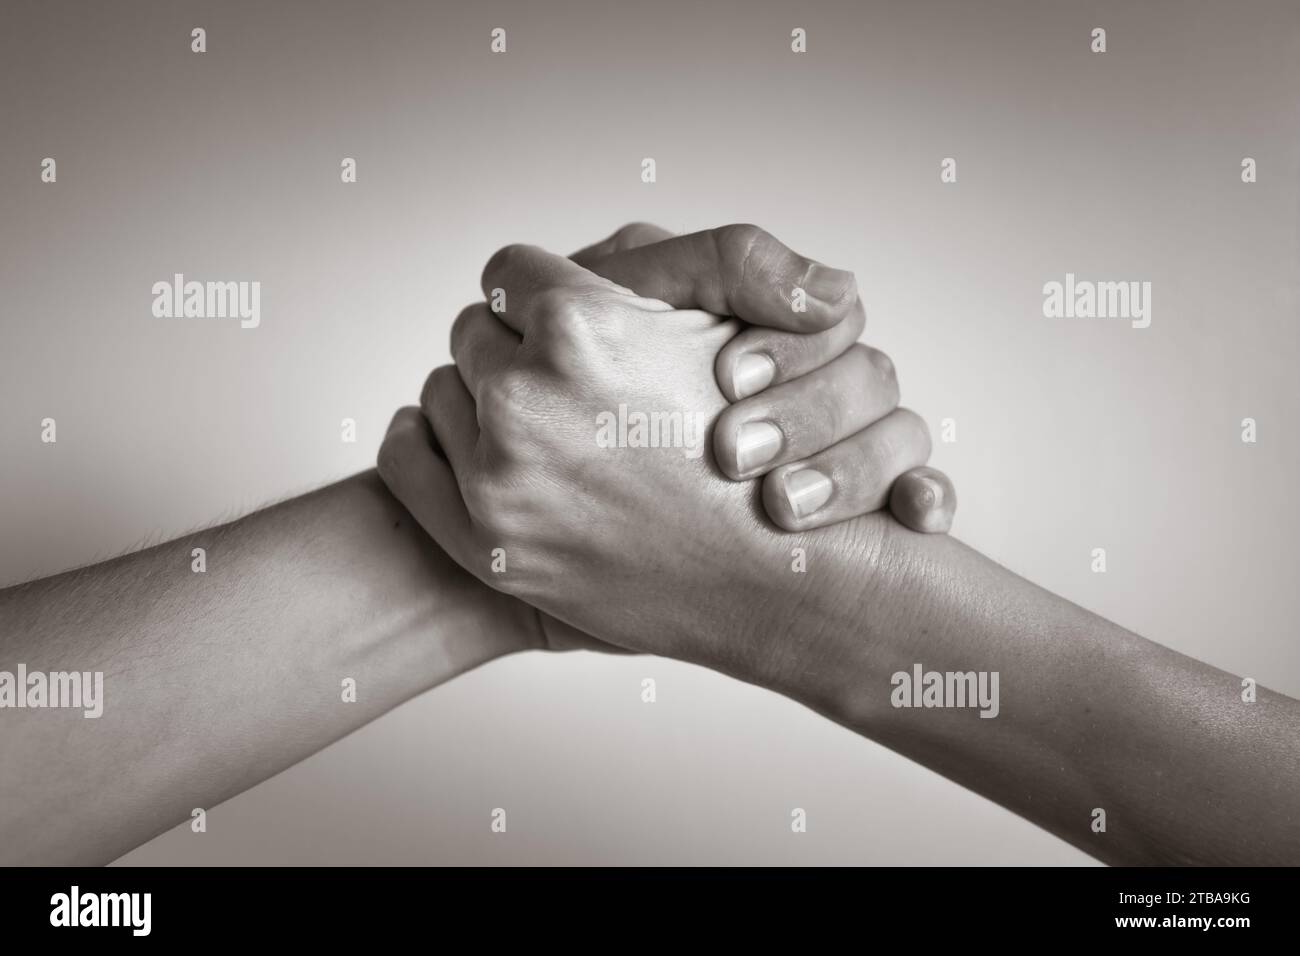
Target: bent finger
(924, 500)
(850, 478)
(482, 346)
(792, 421)
(422, 480)
(453, 416)
(759, 357)
(740, 271)
(632, 236)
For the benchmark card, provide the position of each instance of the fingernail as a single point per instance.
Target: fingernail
(807, 490)
(828, 285)
(754, 372)
(756, 443)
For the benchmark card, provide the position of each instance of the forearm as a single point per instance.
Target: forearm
(1089, 716)
(215, 681)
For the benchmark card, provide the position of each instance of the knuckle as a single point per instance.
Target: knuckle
(888, 373)
(568, 329)
(878, 364)
(904, 444)
(884, 366)
(633, 233)
(879, 369)
(508, 254)
(503, 399)
(913, 422)
(395, 449)
(389, 460)
(426, 390)
(857, 352)
(561, 310)
(496, 510)
(461, 326)
(736, 244)
(435, 383)
(504, 260)
(481, 501)
(739, 236)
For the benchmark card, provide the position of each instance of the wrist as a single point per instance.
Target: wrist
(825, 647)
(918, 604)
(434, 620)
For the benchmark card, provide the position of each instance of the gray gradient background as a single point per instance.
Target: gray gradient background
(1071, 434)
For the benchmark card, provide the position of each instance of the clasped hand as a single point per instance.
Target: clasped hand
(635, 542)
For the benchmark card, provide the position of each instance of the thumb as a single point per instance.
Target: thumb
(631, 236)
(739, 271)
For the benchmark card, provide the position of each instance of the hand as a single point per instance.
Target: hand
(642, 257)
(822, 382)
(648, 547)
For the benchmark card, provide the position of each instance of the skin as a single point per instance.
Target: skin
(214, 682)
(834, 401)
(500, 455)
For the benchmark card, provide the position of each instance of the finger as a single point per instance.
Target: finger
(631, 236)
(759, 357)
(924, 500)
(422, 480)
(850, 478)
(740, 271)
(452, 415)
(526, 279)
(481, 346)
(804, 416)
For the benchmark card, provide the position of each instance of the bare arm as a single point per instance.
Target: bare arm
(215, 681)
(1090, 716)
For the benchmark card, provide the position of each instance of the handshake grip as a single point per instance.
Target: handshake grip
(813, 411)
(498, 462)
